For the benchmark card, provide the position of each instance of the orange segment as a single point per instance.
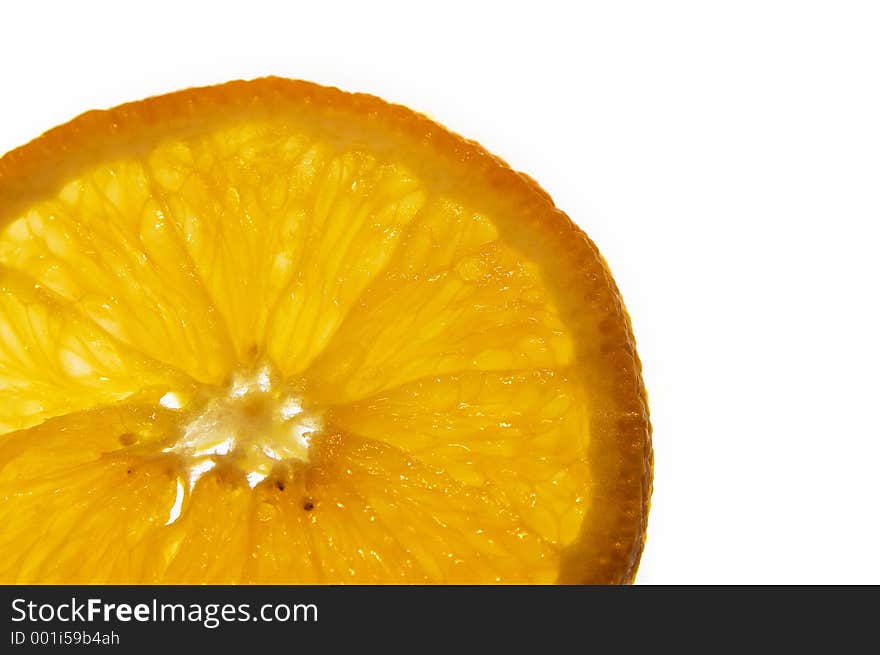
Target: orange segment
(520, 435)
(486, 311)
(102, 243)
(67, 442)
(89, 524)
(54, 359)
(270, 216)
(447, 530)
(272, 332)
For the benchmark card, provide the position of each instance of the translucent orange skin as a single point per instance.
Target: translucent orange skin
(621, 456)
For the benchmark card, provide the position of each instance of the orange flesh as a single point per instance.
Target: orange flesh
(272, 332)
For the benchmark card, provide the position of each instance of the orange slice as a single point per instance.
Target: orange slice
(272, 332)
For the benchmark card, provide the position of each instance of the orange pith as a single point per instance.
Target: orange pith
(273, 332)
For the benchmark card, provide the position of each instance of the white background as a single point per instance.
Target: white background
(725, 156)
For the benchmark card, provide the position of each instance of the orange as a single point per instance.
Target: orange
(272, 332)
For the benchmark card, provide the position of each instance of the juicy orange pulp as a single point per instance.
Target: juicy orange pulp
(273, 332)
